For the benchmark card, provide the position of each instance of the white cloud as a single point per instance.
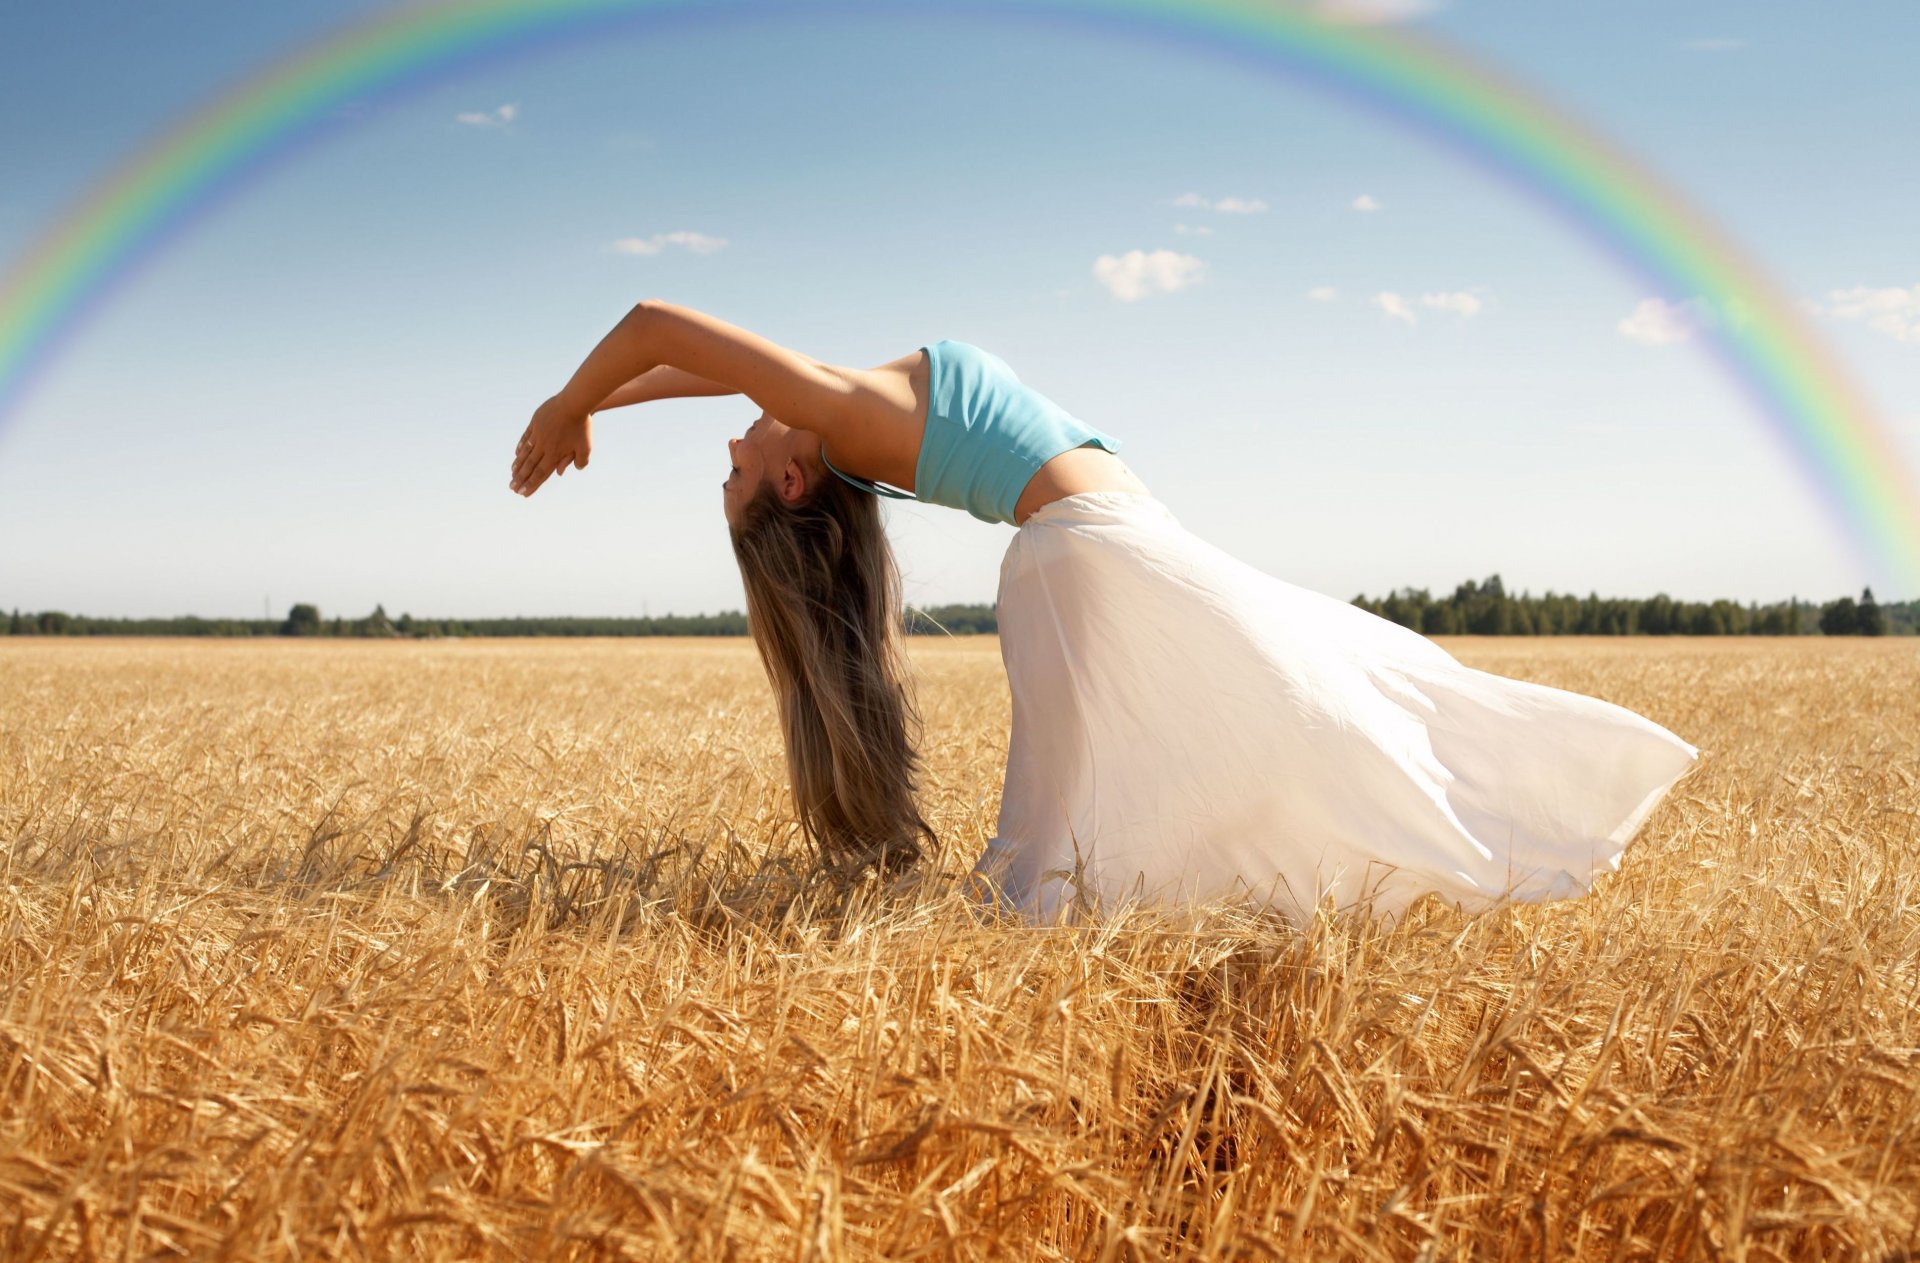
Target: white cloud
(1460, 302)
(1193, 230)
(1657, 322)
(1715, 44)
(1367, 203)
(1886, 309)
(1323, 293)
(1395, 306)
(1132, 276)
(489, 118)
(1226, 205)
(697, 242)
(1374, 12)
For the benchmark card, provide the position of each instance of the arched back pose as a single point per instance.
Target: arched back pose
(1184, 725)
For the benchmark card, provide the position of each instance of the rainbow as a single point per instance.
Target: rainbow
(1761, 338)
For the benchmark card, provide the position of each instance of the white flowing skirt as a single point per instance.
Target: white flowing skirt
(1186, 727)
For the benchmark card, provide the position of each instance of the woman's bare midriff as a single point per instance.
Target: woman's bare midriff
(1072, 472)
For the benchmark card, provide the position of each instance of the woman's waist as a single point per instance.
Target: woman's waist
(1080, 471)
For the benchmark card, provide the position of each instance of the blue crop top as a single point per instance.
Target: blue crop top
(986, 435)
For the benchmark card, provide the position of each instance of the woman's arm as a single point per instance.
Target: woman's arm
(831, 401)
(663, 382)
(787, 384)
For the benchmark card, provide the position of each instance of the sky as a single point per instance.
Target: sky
(1334, 348)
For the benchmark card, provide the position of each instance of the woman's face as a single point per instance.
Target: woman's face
(768, 453)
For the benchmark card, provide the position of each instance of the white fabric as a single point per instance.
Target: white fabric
(1190, 727)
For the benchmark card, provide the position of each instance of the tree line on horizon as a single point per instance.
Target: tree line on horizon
(1486, 608)
(1483, 608)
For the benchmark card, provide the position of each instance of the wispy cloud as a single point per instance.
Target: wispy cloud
(1240, 206)
(1323, 293)
(1714, 44)
(1366, 204)
(1463, 303)
(1225, 205)
(1395, 306)
(499, 117)
(1460, 302)
(1193, 230)
(696, 242)
(1134, 275)
(1374, 12)
(1656, 322)
(1887, 309)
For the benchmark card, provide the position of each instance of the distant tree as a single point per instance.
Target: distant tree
(1656, 615)
(375, 624)
(54, 623)
(1872, 621)
(405, 625)
(302, 620)
(1840, 618)
(1400, 609)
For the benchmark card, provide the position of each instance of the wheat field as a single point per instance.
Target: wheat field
(507, 950)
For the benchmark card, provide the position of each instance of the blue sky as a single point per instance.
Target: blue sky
(312, 394)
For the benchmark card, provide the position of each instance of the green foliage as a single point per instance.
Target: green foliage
(375, 624)
(1488, 609)
(1872, 621)
(302, 620)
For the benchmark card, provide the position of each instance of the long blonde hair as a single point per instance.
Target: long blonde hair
(823, 603)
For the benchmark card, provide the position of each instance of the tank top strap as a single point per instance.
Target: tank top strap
(877, 488)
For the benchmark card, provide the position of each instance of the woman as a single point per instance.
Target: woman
(1184, 726)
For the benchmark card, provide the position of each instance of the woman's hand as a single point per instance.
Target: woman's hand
(556, 437)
